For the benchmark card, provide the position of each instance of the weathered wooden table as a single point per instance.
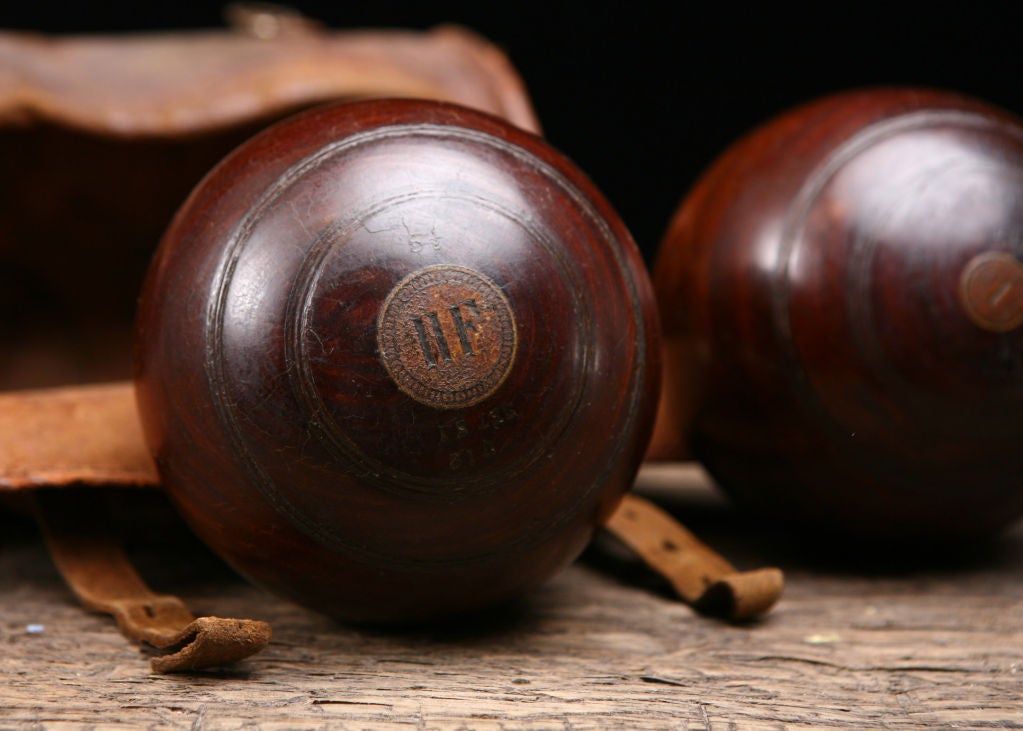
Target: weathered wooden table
(931, 643)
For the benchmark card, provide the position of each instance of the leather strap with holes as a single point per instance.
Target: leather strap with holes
(61, 440)
(94, 565)
(699, 575)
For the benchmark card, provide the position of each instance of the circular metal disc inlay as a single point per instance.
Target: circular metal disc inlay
(991, 288)
(447, 336)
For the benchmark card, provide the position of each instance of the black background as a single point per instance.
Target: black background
(644, 96)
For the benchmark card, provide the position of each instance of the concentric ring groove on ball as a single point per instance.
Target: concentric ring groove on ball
(227, 411)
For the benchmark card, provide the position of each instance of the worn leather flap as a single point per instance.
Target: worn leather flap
(102, 138)
(84, 434)
(186, 83)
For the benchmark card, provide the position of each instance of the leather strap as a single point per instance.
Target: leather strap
(90, 435)
(700, 576)
(94, 565)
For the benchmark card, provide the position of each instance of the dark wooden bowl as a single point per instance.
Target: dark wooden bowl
(842, 299)
(397, 360)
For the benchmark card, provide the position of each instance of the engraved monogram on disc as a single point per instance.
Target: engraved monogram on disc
(447, 336)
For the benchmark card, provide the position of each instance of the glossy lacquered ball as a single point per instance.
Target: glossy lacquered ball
(842, 299)
(396, 360)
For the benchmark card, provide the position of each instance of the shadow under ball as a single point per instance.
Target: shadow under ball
(396, 360)
(842, 300)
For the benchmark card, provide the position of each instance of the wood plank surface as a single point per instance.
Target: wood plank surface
(932, 642)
